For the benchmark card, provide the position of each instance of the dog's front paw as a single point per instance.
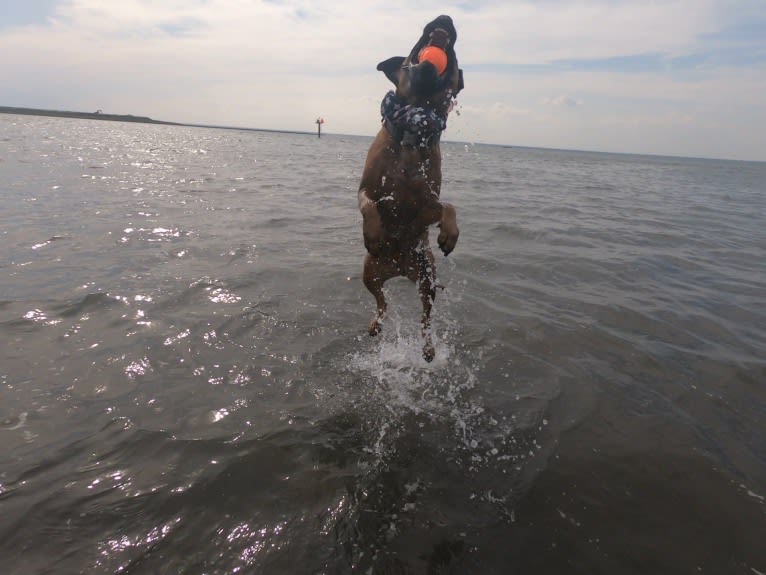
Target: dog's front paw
(449, 231)
(447, 239)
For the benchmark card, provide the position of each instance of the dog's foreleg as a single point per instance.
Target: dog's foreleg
(372, 226)
(445, 216)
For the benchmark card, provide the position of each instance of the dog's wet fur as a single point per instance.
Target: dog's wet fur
(400, 186)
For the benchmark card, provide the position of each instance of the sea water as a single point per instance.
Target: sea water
(187, 384)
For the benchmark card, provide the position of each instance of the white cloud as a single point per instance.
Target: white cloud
(540, 32)
(563, 101)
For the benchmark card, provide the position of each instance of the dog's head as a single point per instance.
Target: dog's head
(419, 82)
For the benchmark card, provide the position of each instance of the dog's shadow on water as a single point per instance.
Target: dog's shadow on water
(437, 460)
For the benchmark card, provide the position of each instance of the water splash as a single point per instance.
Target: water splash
(427, 428)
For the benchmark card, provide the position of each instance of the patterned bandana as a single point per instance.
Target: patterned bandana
(415, 125)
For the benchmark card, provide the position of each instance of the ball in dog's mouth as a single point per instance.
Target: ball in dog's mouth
(436, 56)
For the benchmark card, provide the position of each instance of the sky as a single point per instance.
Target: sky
(666, 77)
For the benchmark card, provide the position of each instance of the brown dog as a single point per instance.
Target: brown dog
(401, 182)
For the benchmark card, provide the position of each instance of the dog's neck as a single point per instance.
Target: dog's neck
(412, 125)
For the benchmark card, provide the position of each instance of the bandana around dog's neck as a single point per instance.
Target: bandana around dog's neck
(412, 125)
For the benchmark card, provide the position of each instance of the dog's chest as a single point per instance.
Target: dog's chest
(405, 195)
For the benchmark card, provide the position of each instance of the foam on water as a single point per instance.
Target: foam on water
(393, 365)
(421, 421)
(402, 393)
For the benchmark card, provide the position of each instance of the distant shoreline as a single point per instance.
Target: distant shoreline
(83, 115)
(124, 118)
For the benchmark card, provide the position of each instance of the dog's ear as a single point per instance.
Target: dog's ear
(391, 68)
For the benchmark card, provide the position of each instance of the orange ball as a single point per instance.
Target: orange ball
(436, 56)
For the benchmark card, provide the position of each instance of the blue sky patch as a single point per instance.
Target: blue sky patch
(25, 12)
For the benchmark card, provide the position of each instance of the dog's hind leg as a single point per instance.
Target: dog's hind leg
(425, 277)
(375, 275)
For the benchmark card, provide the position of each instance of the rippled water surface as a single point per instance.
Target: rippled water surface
(187, 385)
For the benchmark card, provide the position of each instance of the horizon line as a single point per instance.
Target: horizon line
(130, 118)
